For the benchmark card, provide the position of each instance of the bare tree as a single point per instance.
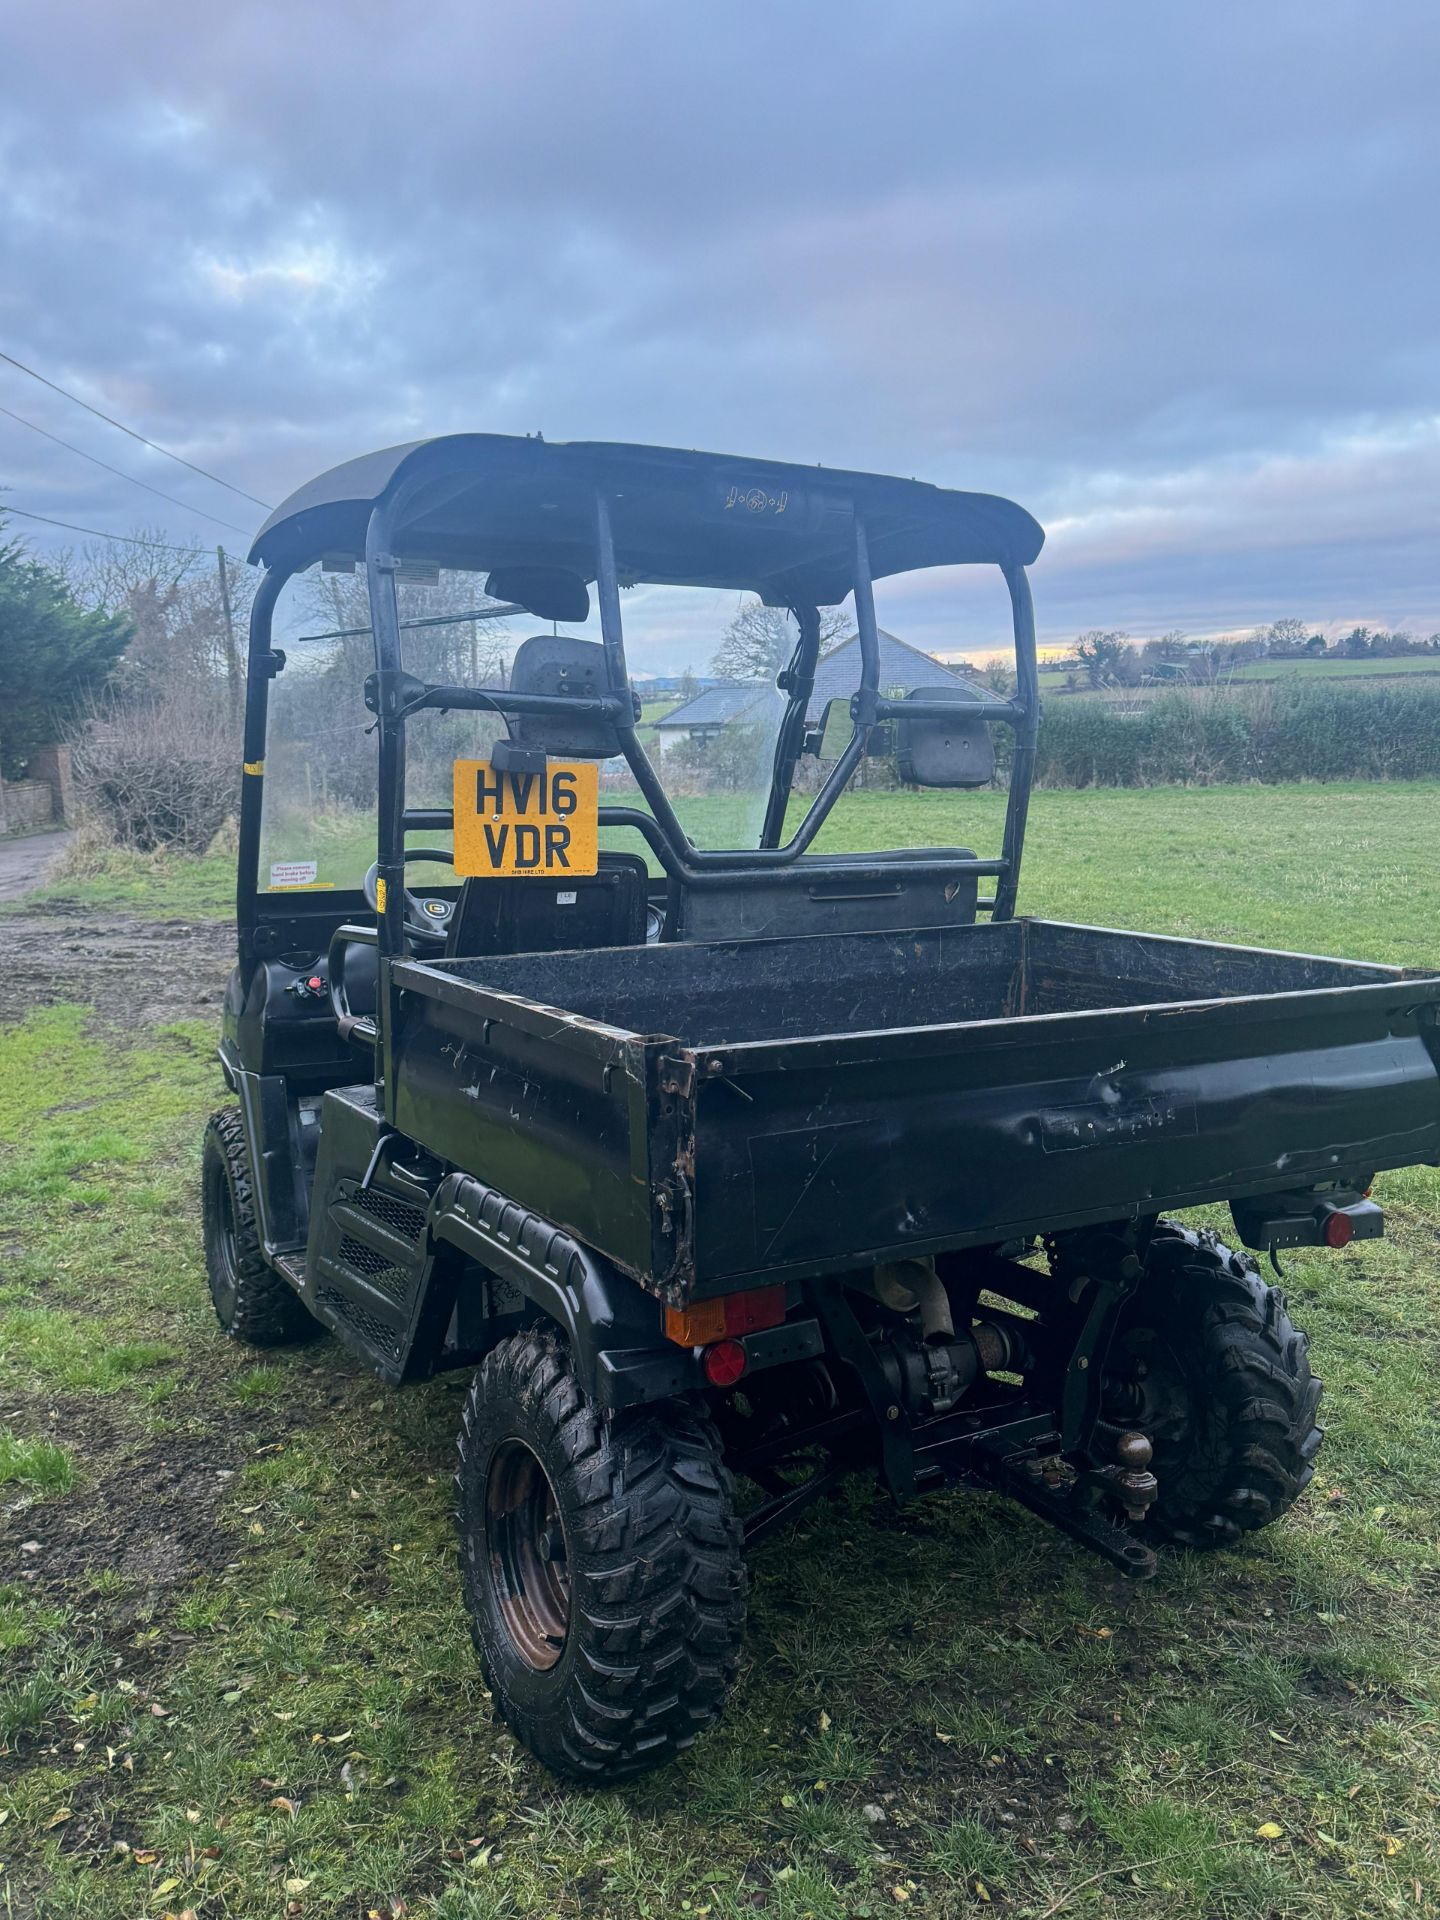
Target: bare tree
(1284, 639)
(188, 618)
(1170, 649)
(105, 573)
(1104, 656)
(760, 640)
(468, 653)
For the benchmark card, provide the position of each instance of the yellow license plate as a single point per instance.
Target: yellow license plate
(546, 824)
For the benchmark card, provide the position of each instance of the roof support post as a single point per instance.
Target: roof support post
(607, 592)
(863, 705)
(385, 625)
(1027, 728)
(798, 681)
(259, 672)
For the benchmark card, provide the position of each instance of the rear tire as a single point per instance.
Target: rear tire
(602, 1565)
(1208, 1363)
(252, 1302)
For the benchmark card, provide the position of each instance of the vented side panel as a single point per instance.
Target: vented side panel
(380, 1273)
(385, 1340)
(398, 1215)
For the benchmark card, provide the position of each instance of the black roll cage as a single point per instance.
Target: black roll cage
(395, 696)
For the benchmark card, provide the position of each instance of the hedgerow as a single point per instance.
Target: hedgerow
(1271, 733)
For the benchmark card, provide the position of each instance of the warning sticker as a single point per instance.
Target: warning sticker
(293, 873)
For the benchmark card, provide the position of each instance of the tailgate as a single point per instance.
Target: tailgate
(838, 1150)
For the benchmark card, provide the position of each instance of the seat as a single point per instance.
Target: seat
(604, 909)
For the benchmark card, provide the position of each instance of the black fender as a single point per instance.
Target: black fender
(272, 1134)
(614, 1328)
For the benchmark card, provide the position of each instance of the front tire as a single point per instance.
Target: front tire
(602, 1565)
(1209, 1365)
(252, 1302)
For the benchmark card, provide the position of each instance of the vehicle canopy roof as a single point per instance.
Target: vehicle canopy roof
(480, 501)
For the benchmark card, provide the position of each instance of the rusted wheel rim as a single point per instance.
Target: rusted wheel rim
(529, 1565)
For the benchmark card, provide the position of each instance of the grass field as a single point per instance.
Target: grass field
(1325, 869)
(1341, 669)
(1055, 680)
(234, 1676)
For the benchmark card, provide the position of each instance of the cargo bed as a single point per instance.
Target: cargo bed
(713, 1115)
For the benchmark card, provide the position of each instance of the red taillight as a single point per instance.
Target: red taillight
(1339, 1230)
(726, 1317)
(724, 1363)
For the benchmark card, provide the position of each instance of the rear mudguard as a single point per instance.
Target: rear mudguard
(614, 1328)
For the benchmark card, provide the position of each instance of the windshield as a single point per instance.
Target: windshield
(318, 826)
(703, 665)
(318, 823)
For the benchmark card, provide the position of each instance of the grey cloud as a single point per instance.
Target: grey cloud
(1164, 274)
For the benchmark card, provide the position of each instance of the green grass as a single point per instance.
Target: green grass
(1348, 870)
(163, 887)
(1345, 869)
(1339, 669)
(34, 1463)
(945, 1711)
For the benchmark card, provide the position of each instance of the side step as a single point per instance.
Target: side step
(367, 1267)
(368, 1270)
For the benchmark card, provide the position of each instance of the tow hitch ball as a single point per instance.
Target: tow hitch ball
(1127, 1480)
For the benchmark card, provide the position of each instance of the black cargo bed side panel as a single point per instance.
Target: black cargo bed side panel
(534, 1108)
(887, 1145)
(815, 1146)
(1072, 969)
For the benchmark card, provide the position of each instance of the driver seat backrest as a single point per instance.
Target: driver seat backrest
(603, 909)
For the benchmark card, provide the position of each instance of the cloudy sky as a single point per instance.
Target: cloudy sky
(1167, 275)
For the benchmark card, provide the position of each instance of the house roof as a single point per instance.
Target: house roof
(715, 706)
(485, 500)
(902, 668)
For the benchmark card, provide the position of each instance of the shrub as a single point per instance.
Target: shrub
(1281, 732)
(159, 772)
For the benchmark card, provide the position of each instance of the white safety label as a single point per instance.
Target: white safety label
(293, 873)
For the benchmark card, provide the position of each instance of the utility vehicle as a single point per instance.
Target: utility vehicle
(732, 1160)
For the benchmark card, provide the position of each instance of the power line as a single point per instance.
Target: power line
(120, 474)
(126, 539)
(154, 446)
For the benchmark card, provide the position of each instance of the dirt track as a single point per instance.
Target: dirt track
(134, 972)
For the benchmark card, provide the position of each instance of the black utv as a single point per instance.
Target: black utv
(717, 1155)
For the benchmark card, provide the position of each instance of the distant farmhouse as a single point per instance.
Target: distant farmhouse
(902, 668)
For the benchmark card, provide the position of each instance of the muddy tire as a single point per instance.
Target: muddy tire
(1208, 1363)
(602, 1565)
(252, 1302)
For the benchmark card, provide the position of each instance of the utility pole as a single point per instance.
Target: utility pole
(232, 652)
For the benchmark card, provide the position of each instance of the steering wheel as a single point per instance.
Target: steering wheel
(427, 915)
